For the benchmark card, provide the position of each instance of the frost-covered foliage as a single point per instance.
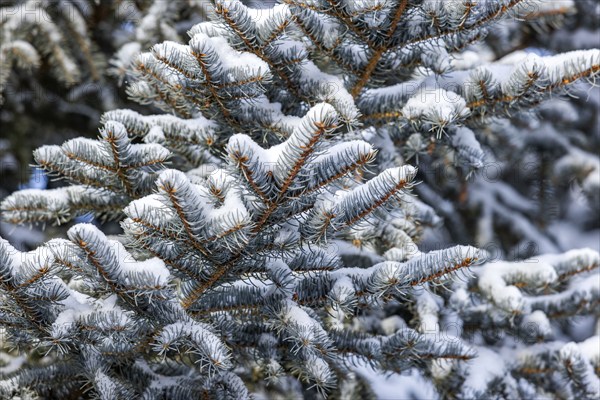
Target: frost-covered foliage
(270, 230)
(537, 188)
(72, 39)
(62, 64)
(61, 68)
(539, 179)
(36, 31)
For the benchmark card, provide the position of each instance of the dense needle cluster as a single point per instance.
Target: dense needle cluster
(270, 242)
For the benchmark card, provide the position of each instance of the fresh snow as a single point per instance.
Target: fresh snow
(439, 106)
(487, 366)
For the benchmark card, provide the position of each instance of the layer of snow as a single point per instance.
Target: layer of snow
(438, 106)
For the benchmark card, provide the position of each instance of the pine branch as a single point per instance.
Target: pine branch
(376, 56)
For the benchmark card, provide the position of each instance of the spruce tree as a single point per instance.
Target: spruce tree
(63, 64)
(271, 230)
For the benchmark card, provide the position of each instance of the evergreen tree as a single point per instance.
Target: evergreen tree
(270, 229)
(63, 62)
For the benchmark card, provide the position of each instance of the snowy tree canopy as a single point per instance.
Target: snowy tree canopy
(278, 193)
